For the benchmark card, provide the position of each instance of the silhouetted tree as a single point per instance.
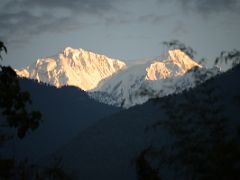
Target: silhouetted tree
(13, 105)
(144, 170)
(13, 102)
(56, 171)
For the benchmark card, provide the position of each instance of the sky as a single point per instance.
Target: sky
(122, 29)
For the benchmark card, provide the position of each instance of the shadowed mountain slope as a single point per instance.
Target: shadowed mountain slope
(65, 112)
(108, 149)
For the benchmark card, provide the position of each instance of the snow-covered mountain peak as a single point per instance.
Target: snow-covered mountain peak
(181, 59)
(75, 67)
(176, 64)
(104, 77)
(75, 52)
(154, 78)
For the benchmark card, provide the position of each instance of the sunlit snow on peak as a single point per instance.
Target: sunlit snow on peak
(129, 84)
(176, 64)
(75, 67)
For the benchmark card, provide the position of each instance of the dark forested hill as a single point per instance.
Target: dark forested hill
(108, 150)
(65, 112)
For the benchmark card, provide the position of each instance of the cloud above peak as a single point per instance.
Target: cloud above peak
(77, 6)
(210, 6)
(22, 19)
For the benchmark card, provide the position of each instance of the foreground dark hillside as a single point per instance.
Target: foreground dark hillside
(109, 149)
(65, 112)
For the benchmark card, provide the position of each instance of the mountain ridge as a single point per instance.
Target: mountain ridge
(109, 148)
(112, 81)
(141, 82)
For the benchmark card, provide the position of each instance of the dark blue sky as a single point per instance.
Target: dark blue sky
(126, 29)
